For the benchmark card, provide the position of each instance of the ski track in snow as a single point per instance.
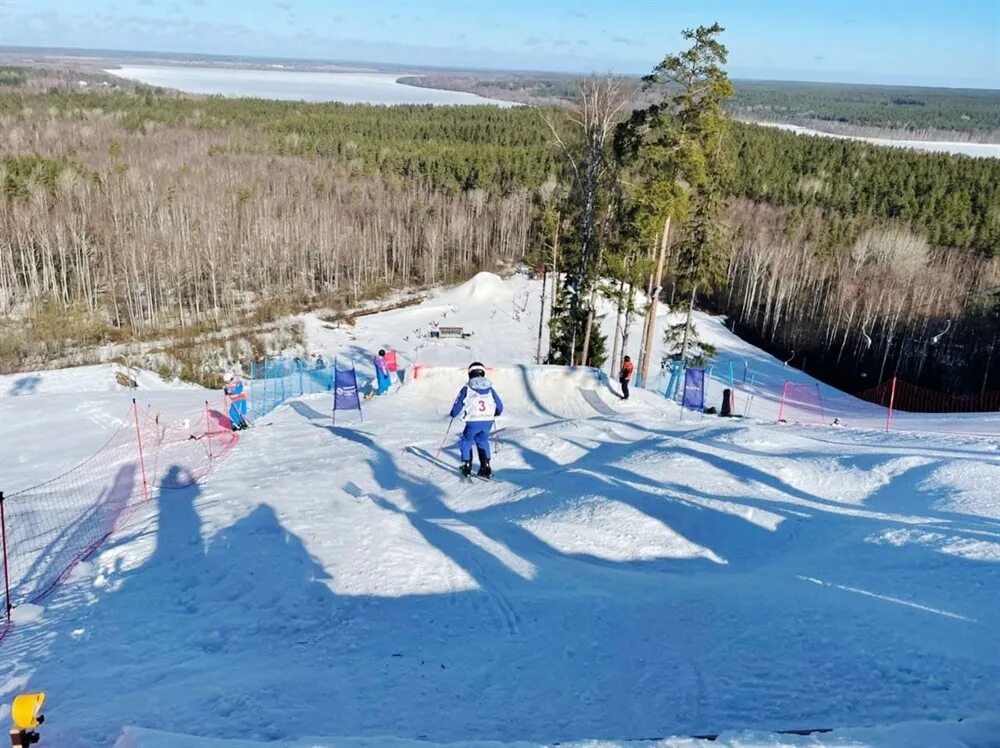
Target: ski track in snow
(628, 576)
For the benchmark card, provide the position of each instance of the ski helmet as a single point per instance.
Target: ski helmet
(227, 377)
(381, 351)
(476, 369)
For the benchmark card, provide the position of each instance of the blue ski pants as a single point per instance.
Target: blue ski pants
(478, 433)
(238, 412)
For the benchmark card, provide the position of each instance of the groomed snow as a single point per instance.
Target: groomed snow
(628, 577)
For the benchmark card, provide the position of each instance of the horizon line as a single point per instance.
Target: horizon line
(7, 49)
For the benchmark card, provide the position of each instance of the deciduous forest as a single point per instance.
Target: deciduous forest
(127, 214)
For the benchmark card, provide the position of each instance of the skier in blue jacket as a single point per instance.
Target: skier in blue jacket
(381, 373)
(480, 404)
(237, 401)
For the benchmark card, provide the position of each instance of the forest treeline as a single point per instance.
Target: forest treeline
(908, 108)
(958, 114)
(139, 211)
(953, 201)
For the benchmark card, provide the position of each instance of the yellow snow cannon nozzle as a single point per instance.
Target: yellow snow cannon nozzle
(26, 713)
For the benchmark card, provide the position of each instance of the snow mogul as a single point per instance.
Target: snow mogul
(479, 405)
(233, 388)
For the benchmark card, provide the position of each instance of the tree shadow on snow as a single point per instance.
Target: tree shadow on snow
(241, 633)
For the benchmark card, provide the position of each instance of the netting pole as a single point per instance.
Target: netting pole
(6, 574)
(822, 411)
(781, 408)
(142, 460)
(892, 402)
(208, 431)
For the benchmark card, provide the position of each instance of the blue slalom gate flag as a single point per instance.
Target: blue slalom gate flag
(694, 389)
(345, 393)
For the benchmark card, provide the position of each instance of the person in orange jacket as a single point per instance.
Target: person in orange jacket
(625, 376)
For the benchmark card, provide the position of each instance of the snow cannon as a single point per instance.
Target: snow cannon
(26, 712)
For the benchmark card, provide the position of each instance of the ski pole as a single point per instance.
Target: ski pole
(444, 439)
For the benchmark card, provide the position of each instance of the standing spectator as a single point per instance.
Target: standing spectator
(625, 376)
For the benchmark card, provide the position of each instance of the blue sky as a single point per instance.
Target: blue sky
(918, 42)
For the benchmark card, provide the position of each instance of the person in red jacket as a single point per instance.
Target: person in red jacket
(625, 376)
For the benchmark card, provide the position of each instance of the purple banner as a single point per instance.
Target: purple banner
(694, 389)
(345, 394)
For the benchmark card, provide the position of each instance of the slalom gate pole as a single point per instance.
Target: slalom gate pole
(892, 402)
(357, 392)
(781, 408)
(6, 575)
(142, 460)
(746, 408)
(444, 439)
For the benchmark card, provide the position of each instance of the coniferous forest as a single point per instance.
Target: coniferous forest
(125, 214)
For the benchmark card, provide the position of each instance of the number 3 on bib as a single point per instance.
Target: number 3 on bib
(480, 407)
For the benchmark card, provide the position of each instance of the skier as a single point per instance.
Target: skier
(625, 376)
(480, 404)
(381, 373)
(237, 401)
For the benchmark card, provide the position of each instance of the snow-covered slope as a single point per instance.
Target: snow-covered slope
(630, 575)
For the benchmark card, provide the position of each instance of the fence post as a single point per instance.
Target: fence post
(892, 402)
(6, 574)
(781, 408)
(142, 460)
(263, 404)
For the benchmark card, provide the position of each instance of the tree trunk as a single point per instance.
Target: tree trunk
(654, 302)
(618, 330)
(541, 318)
(687, 326)
(590, 324)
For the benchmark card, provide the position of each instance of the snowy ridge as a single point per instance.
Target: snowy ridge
(628, 577)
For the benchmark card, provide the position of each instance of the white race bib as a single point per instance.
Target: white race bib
(480, 407)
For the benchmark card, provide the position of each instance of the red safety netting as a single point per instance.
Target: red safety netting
(801, 403)
(48, 528)
(908, 397)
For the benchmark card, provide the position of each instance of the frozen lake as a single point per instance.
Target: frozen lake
(981, 150)
(296, 85)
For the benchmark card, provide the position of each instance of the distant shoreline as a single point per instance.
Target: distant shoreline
(975, 150)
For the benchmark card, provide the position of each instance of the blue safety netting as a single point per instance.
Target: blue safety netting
(275, 380)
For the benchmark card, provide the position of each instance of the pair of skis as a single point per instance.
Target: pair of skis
(423, 454)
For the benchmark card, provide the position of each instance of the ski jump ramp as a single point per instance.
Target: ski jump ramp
(563, 392)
